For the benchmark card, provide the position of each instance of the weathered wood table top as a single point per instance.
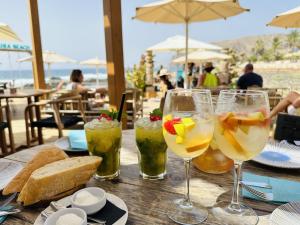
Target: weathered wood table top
(148, 201)
(25, 94)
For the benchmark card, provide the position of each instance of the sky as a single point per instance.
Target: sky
(74, 28)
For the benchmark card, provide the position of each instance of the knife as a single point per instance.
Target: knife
(257, 184)
(8, 200)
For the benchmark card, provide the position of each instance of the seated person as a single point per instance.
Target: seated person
(165, 83)
(209, 79)
(249, 78)
(76, 80)
(290, 103)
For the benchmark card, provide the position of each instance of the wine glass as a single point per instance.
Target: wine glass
(188, 126)
(241, 132)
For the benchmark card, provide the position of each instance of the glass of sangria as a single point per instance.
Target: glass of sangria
(188, 126)
(241, 132)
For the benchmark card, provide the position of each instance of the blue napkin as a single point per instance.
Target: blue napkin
(283, 190)
(77, 139)
(3, 218)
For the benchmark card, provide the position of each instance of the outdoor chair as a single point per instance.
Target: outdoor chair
(5, 124)
(134, 105)
(274, 96)
(3, 85)
(67, 111)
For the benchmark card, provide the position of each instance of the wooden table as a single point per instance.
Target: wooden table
(148, 201)
(31, 96)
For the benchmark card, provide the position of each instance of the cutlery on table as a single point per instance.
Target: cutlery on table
(257, 184)
(8, 200)
(10, 212)
(259, 194)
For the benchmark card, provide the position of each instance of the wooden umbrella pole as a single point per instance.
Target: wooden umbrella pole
(186, 69)
(187, 83)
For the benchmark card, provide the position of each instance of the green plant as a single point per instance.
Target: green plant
(137, 76)
(293, 39)
(276, 45)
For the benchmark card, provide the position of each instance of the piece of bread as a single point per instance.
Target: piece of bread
(58, 177)
(47, 155)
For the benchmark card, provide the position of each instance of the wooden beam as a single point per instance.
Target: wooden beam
(37, 55)
(114, 50)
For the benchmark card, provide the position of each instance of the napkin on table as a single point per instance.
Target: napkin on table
(77, 139)
(283, 190)
(110, 213)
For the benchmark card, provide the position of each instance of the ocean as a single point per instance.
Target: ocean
(24, 78)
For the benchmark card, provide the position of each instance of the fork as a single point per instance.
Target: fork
(260, 194)
(56, 206)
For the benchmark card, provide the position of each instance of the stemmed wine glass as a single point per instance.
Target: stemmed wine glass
(188, 126)
(241, 132)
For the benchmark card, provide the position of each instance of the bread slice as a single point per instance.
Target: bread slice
(47, 155)
(58, 177)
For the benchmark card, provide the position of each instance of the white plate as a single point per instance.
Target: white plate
(286, 214)
(8, 170)
(112, 198)
(64, 144)
(280, 154)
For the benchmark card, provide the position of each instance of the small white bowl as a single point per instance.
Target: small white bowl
(93, 208)
(52, 219)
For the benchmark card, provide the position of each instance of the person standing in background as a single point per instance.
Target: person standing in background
(159, 70)
(209, 78)
(180, 77)
(196, 75)
(190, 73)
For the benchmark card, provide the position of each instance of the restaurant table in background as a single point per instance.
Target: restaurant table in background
(148, 201)
(31, 96)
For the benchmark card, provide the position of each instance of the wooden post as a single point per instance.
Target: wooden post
(114, 50)
(37, 55)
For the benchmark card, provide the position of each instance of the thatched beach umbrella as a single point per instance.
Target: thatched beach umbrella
(186, 12)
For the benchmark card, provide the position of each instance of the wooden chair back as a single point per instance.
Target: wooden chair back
(5, 124)
(134, 105)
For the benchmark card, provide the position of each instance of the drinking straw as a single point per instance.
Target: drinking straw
(121, 107)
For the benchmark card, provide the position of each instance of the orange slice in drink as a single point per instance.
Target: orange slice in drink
(230, 138)
(196, 145)
(225, 116)
(253, 119)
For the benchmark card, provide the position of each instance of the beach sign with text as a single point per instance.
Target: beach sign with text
(14, 47)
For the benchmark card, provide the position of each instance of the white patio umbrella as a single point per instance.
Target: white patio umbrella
(98, 63)
(177, 44)
(188, 11)
(202, 56)
(288, 19)
(50, 58)
(7, 34)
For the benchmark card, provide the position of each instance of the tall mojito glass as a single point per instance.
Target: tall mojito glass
(104, 139)
(152, 148)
